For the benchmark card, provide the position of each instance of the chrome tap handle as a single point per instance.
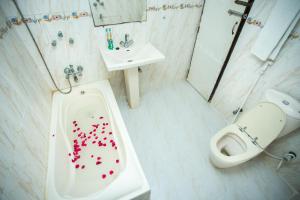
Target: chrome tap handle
(67, 70)
(126, 37)
(79, 70)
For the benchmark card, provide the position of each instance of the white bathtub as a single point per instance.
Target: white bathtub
(79, 174)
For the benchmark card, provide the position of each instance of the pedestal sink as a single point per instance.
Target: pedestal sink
(129, 59)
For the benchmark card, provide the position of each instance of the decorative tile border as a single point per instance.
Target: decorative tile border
(294, 36)
(48, 18)
(5, 28)
(174, 7)
(76, 15)
(254, 22)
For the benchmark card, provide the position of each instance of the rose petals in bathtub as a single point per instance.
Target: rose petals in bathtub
(96, 125)
(98, 158)
(111, 172)
(105, 138)
(101, 117)
(74, 122)
(106, 124)
(83, 144)
(83, 166)
(102, 132)
(92, 156)
(103, 176)
(77, 166)
(94, 142)
(110, 133)
(95, 130)
(98, 162)
(69, 154)
(78, 129)
(74, 131)
(117, 161)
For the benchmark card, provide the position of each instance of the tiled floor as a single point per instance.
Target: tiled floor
(171, 130)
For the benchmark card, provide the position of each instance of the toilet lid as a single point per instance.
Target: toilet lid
(265, 121)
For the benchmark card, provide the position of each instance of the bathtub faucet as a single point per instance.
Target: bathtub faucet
(70, 71)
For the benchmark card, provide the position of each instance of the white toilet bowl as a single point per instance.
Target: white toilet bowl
(246, 138)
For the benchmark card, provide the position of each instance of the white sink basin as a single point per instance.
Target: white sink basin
(134, 56)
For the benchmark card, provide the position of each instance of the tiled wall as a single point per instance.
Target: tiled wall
(25, 83)
(24, 120)
(284, 75)
(171, 26)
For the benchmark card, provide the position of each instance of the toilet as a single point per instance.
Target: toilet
(255, 130)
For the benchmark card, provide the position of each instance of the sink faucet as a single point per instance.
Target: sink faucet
(127, 43)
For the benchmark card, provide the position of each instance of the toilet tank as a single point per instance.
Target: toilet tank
(289, 105)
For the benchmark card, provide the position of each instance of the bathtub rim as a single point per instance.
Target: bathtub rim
(130, 152)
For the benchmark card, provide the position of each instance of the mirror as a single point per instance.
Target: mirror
(108, 12)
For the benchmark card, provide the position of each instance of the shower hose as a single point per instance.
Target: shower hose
(35, 43)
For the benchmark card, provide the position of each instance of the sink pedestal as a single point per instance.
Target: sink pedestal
(128, 60)
(132, 86)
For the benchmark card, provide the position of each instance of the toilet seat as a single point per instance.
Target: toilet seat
(232, 145)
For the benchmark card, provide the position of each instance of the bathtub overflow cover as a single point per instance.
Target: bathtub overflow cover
(285, 102)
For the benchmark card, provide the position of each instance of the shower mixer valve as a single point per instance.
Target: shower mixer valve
(70, 71)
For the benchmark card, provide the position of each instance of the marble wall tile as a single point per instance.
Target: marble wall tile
(24, 121)
(173, 31)
(26, 86)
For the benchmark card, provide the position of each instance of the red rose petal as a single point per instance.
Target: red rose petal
(74, 131)
(98, 158)
(111, 172)
(117, 161)
(77, 166)
(95, 125)
(94, 142)
(78, 129)
(83, 166)
(74, 122)
(103, 176)
(110, 133)
(98, 163)
(100, 117)
(69, 154)
(92, 156)
(105, 138)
